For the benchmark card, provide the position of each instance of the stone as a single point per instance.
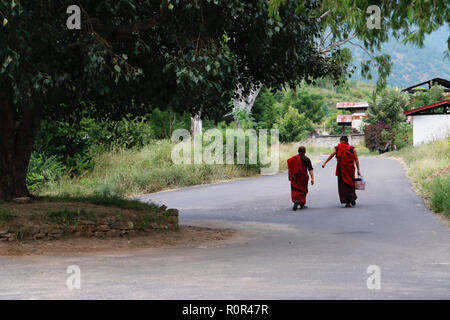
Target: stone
(32, 230)
(113, 233)
(99, 234)
(87, 222)
(56, 231)
(131, 233)
(3, 231)
(104, 227)
(155, 226)
(45, 230)
(22, 200)
(163, 208)
(39, 236)
(125, 225)
(173, 212)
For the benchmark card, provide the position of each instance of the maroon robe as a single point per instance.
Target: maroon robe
(345, 171)
(298, 175)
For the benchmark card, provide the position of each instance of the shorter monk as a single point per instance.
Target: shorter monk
(298, 167)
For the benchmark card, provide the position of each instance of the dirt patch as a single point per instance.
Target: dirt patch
(185, 236)
(42, 219)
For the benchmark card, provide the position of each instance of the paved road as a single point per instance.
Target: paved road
(321, 252)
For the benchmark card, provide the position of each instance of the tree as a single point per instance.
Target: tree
(361, 24)
(293, 126)
(184, 55)
(388, 108)
(419, 99)
(187, 56)
(262, 106)
(311, 105)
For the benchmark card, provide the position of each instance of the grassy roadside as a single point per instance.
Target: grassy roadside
(123, 173)
(428, 168)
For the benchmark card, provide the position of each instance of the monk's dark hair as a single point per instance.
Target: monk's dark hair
(344, 138)
(301, 150)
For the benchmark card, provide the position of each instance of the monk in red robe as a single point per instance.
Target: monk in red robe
(298, 167)
(345, 171)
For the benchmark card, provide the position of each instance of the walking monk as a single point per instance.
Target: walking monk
(298, 167)
(345, 170)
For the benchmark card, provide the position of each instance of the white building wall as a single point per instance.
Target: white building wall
(429, 128)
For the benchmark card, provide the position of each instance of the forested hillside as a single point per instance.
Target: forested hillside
(411, 64)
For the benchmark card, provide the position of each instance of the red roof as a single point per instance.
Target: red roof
(431, 106)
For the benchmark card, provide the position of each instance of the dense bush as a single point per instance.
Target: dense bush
(165, 122)
(388, 108)
(44, 169)
(403, 133)
(440, 189)
(72, 143)
(293, 126)
(377, 135)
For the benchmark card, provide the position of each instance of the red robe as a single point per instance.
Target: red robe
(345, 171)
(298, 175)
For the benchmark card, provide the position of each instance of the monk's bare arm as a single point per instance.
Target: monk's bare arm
(311, 173)
(357, 163)
(329, 158)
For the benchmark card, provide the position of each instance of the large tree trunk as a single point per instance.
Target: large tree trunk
(245, 102)
(196, 124)
(18, 129)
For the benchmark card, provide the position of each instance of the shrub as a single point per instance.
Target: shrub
(43, 169)
(376, 135)
(403, 135)
(439, 188)
(293, 126)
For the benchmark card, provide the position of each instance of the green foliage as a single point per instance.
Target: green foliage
(293, 126)
(403, 135)
(425, 98)
(263, 108)
(388, 108)
(44, 169)
(439, 188)
(72, 142)
(311, 104)
(164, 122)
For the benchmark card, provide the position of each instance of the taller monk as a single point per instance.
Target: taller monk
(346, 157)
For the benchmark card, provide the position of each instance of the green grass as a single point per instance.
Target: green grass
(422, 162)
(69, 217)
(122, 173)
(439, 188)
(363, 151)
(107, 201)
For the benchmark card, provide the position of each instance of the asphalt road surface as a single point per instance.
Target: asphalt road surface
(322, 252)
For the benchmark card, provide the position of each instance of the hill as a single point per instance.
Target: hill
(411, 64)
